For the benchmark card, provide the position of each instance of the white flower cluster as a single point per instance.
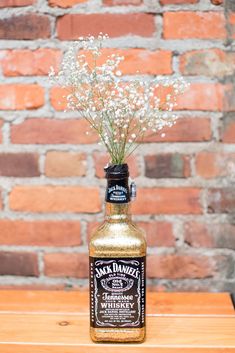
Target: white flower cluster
(121, 111)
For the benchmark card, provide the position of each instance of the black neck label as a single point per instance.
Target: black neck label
(117, 292)
(117, 191)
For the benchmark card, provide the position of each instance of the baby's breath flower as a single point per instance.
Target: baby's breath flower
(121, 112)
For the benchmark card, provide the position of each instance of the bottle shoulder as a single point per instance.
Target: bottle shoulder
(118, 238)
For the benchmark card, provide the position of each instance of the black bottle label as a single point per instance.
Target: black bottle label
(117, 292)
(117, 191)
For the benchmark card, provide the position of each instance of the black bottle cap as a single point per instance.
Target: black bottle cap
(117, 190)
(116, 171)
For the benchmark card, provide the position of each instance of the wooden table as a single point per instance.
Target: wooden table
(58, 322)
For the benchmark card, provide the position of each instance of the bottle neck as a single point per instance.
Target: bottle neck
(117, 212)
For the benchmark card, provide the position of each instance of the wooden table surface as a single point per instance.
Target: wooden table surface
(58, 322)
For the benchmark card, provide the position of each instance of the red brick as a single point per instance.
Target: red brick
(229, 97)
(49, 198)
(167, 201)
(33, 287)
(66, 265)
(65, 3)
(16, 3)
(158, 62)
(53, 131)
(158, 233)
(198, 235)
(232, 24)
(21, 96)
(40, 233)
(221, 200)
(176, 266)
(167, 165)
(184, 130)
(178, 2)
(29, 26)
(24, 62)
(217, 2)
(58, 98)
(19, 165)
(65, 164)
(212, 164)
(186, 24)
(18, 263)
(210, 235)
(208, 62)
(101, 159)
(70, 27)
(228, 130)
(136, 60)
(122, 2)
(202, 96)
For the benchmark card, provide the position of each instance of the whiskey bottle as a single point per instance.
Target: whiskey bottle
(117, 253)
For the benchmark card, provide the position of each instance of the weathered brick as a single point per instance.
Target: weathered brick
(227, 131)
(49, 198)
(21, 96)
(18, 263)
(40, 233)
(232, 24)
(53, 131)
(186, 24)
(208, 62)
(229, 97)
(70, 27)
(178, 266)
(167, 165)
(65, 164)
(19, 165)
(221, 200)
(65, 3)
(212, 164)
(184, 130)
(16, 3)
(101, 159)
(122, 2)
(167, 201)
(158, 233)
(66, 265)
(210, 235)
(217, 2)
(142, 61)
(202, 96)
(178, 2)
(29, 26)
(25, 62)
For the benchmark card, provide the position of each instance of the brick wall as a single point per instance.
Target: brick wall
(51, 177)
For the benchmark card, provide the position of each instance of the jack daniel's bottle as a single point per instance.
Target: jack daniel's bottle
(117, 267)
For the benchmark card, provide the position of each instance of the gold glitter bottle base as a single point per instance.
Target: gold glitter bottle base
(118, 237)
(118, 335)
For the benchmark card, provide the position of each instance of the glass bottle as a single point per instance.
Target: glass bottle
(117, 253)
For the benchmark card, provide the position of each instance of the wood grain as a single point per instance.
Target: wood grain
(58, 322)
(77, 302)
(50, 333)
